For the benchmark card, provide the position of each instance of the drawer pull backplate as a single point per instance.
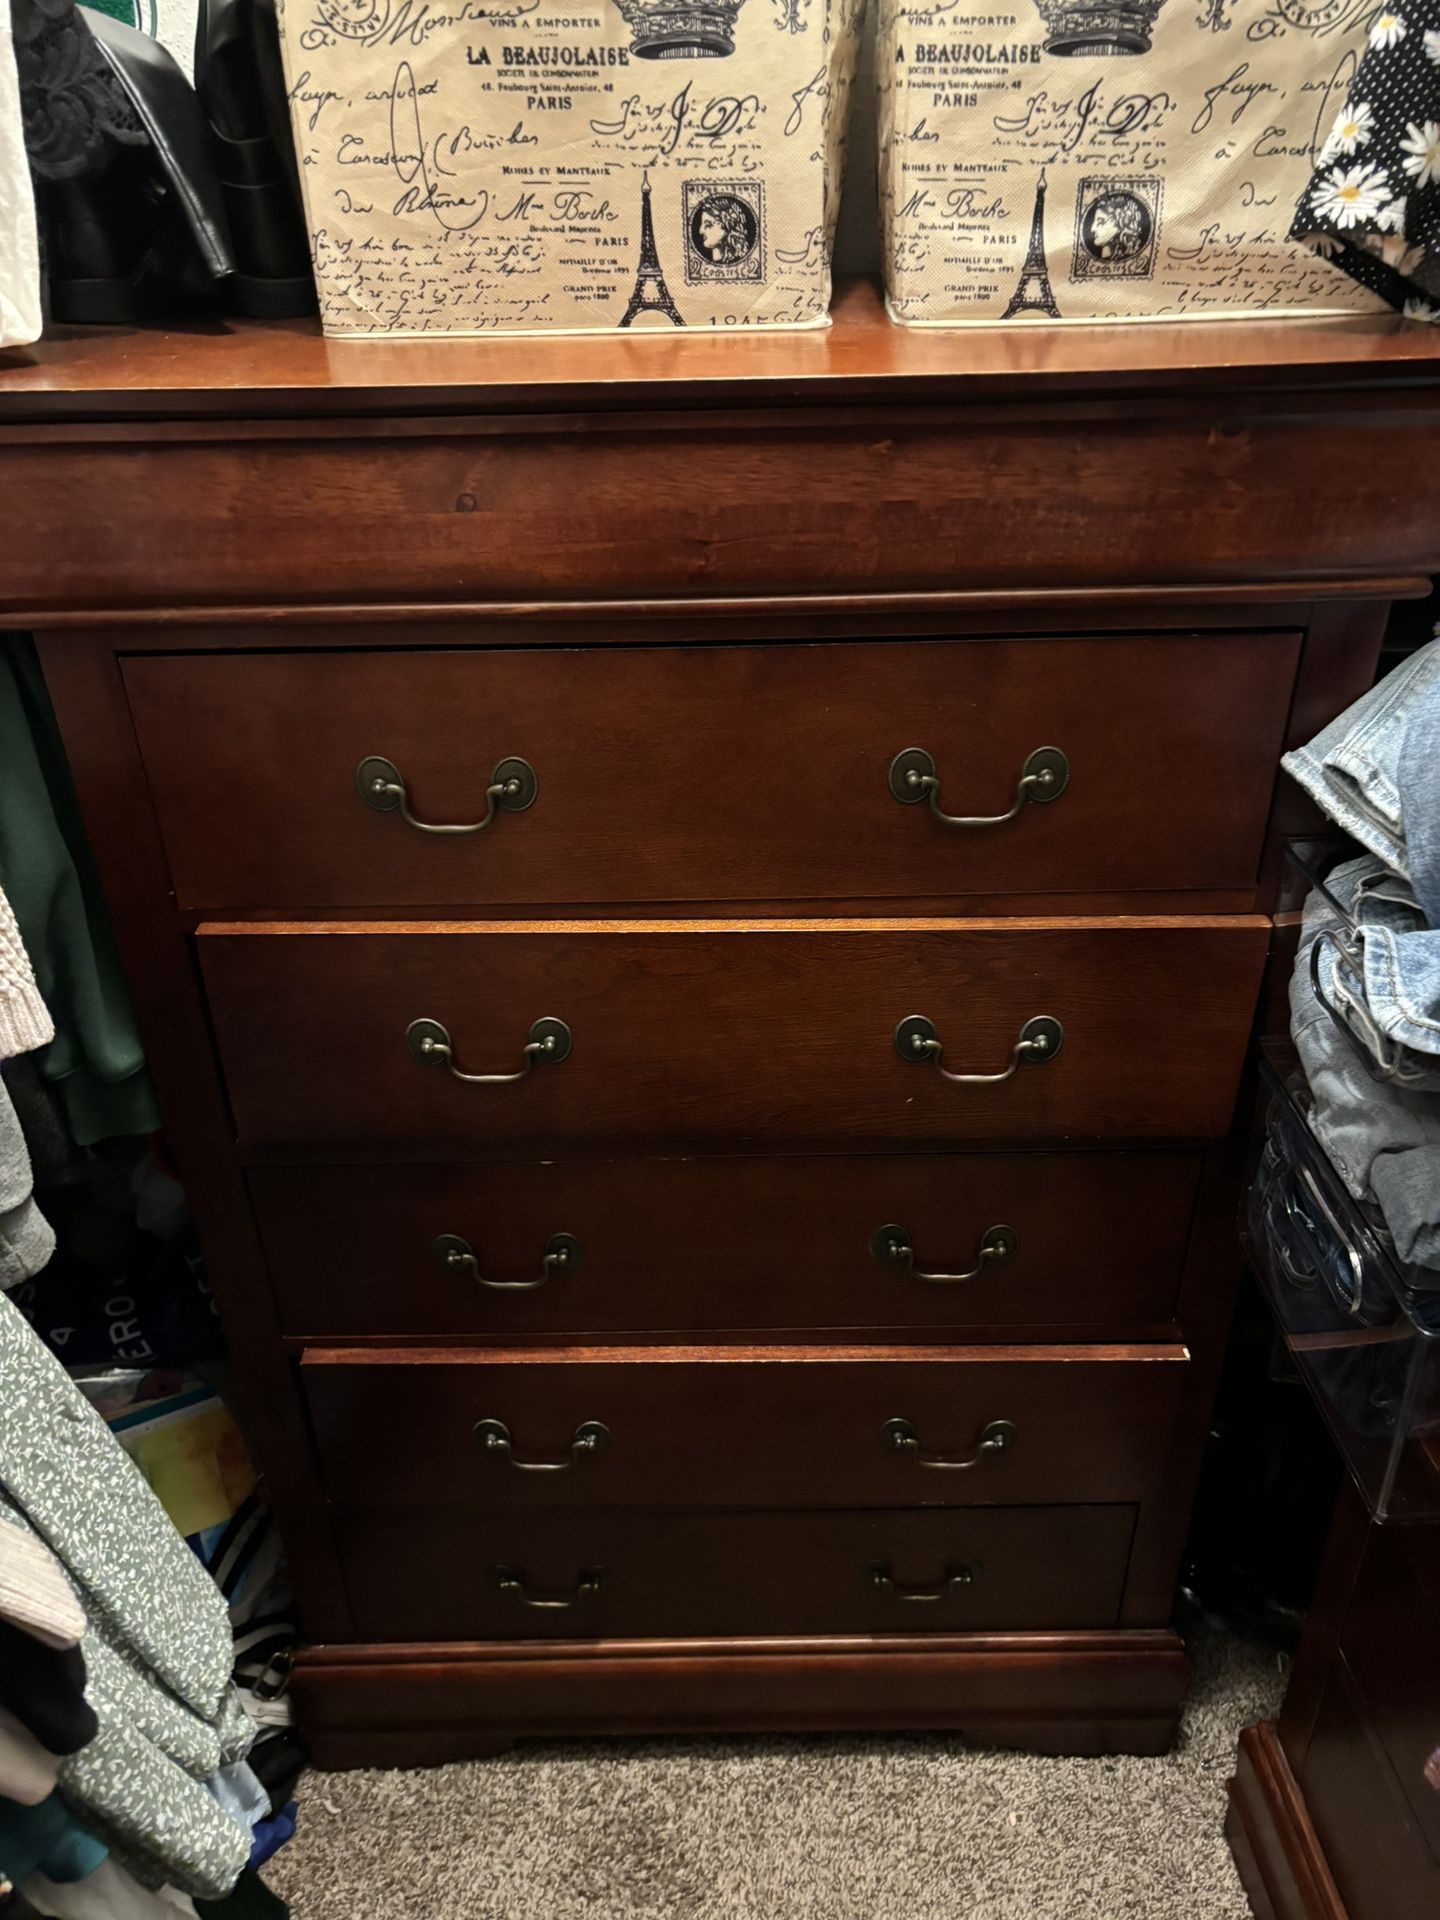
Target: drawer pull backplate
(892, 1245)
(1043, 778)
(965, 1574)
(495, 1441)
(1040, 1040)
(563, 1254)
(381, 785)
(902, 1437)
(548, 1039)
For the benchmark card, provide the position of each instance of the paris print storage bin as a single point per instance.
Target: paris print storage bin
(1063, 160)
(577, 165)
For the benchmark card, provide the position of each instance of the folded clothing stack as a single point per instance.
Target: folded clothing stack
(1365, 994)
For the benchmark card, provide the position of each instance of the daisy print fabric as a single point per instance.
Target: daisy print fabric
(1373, 204)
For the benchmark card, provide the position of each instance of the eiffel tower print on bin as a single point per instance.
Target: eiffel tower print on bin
(651, 294)
(1033, 294)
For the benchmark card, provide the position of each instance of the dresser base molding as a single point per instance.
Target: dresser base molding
(1076, 1693)
(1277, 1851)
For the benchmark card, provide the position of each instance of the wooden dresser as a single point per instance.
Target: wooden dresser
(697, 908)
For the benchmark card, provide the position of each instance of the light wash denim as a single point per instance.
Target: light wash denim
(1376, 772)
(1385, 971)
(1374, 766)
(1419, 786)
(1381, 1138)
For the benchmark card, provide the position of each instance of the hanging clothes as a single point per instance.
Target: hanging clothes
(95, 1063)
(110, 1893)
(27, 1772)
(25, 1021)
(46, 1839)
(26, 1238)
(20, 311)
(44, 1687)
(158, 1651)
(34, 1594)
(251, 1900)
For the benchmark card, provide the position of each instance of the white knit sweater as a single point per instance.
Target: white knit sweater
(24, 1019)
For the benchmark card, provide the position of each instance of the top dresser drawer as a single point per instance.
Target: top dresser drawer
(756, 773)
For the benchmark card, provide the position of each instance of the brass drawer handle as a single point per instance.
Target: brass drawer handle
(563, 1254)
(381, 785)
(891, 1244)
(1043, 778)
(901, 1436)
(494, 1438)
(548, 1039)
(1040, 1040)
(512, 1582)
(964, 1574)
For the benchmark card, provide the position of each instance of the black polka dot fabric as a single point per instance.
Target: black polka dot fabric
(1373, 203)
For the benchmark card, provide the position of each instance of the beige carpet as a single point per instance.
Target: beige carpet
(792, 1829)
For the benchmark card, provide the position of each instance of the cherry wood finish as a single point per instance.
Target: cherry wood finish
(923, 500)
(1207, 1298)
(288, 368)
(741, 1428)
(719, 1244)
(1373, 1845)
(711, 772)
(703, 1033)
(1276, 1848)
(1402, 1698)
(84, 682)
(434, 1577)
(1336, 1814)
(419, 1704)
(1174, 493)
(945, 613)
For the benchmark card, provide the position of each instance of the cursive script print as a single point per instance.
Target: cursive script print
(1320, 18)
(421, 162)
(471, 164)
(1018, 185)
(1094, 115)
(681, 123)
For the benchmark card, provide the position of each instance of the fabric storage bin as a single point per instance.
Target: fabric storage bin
(1362, 1328)
(1071, 160)
(545, 166)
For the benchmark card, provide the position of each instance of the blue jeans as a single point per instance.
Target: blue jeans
(1385, 971)
(1381, 1138)
(1376, 772)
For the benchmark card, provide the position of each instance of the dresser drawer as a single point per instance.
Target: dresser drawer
(740, 1427)
(695, 1033)
(603, 1575)
(1096, 1240)
(712, 773)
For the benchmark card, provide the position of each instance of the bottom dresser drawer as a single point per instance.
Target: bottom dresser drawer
(581, 1576)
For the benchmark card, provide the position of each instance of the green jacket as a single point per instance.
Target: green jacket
(95, 1062)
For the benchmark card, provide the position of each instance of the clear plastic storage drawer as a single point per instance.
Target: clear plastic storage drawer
(1363, 1329)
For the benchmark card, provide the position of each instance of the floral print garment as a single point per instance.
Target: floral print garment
(1373, 205)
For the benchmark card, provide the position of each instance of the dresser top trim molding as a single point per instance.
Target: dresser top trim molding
(275, 369)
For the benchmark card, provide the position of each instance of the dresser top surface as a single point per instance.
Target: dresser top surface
(256, 368)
